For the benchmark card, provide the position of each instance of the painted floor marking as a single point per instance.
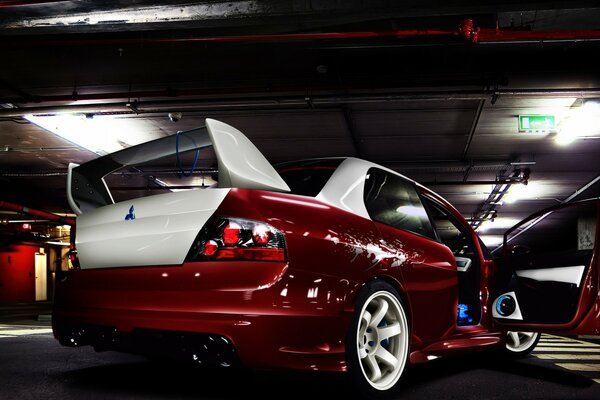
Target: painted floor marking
(568, 356)
(580, 367)
(567, 344)
(571, 354)
(21, 332)
(13, 330)
(572, 349)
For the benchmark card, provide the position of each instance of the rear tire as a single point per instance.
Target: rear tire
(377, 344)
(520, 344)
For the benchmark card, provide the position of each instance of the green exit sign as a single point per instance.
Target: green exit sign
(537, 123)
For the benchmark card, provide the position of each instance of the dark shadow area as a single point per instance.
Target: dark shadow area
(529, 367)
(466, 377)
(159, 379)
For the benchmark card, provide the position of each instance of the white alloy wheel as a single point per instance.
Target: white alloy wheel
(382, 340)
(521, 342)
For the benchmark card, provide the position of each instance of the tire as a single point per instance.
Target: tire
(520, 344)
(377, 344)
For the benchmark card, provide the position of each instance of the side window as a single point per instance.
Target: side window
(450, 231)
(394, 201)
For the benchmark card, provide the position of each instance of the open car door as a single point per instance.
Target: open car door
(547, 277)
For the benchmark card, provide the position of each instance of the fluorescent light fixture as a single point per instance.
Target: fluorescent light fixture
(518, 192)
(566, 137)
(491, 240)
(591, 109)
(101, 134)
(60, 243)
(497, 223)
(583, 122)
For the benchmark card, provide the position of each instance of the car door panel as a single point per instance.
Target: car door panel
(547, 278)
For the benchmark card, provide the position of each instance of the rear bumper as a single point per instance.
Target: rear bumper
(256, 341)
(288, 322)
(205, 349)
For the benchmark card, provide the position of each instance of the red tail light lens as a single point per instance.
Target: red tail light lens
(261, 234)
(238, 239)
(210, 248)
(231, 234)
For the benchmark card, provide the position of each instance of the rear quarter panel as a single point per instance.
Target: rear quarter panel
(343, 251)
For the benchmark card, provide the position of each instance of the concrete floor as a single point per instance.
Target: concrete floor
(34, 366)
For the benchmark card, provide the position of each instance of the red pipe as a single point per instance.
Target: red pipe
(466, 30)
(5, 205)
(240, 38)
(493, 35)
(19, 3)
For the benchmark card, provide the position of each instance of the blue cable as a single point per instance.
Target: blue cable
(179, 160)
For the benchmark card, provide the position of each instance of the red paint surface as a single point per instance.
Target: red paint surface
(300, 309)
(17, 277)
(296, 314)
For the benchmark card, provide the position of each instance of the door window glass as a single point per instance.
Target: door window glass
(565, 230)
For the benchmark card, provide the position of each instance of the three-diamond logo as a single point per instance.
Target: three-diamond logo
(130, 215)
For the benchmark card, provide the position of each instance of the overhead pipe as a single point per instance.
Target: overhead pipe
(194, 104)
(20, 3)
(285, 37)
(478, 182)
(466, 31)
(5, 205)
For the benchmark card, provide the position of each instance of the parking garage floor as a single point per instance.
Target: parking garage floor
(35, 366)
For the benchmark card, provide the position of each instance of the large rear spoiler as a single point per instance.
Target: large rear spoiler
(240, 164)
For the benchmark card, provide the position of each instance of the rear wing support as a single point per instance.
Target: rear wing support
(240, 164)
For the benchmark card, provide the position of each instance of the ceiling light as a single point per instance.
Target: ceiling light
(491, 240)
(520, 191)
(497, 223)
(591, 108)
(59, 243)
(583, 122)
(566, 136)
(101, 134)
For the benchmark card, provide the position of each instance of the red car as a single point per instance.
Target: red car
(328, 264)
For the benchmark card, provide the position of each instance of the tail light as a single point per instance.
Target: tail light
(238, 239)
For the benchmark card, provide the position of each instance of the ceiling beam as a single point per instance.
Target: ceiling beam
(299, 101)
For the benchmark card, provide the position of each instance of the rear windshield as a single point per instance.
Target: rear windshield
(307, 178)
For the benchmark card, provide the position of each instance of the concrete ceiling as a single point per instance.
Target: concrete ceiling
(440, 108)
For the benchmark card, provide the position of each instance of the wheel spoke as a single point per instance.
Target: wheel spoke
(374, 367)
(387, 332)
(362, 352)
(527, 335)
(365, 320)
(386, 357)
(380, 312)
(514, 336)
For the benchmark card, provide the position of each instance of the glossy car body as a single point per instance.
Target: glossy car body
(137, 289)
